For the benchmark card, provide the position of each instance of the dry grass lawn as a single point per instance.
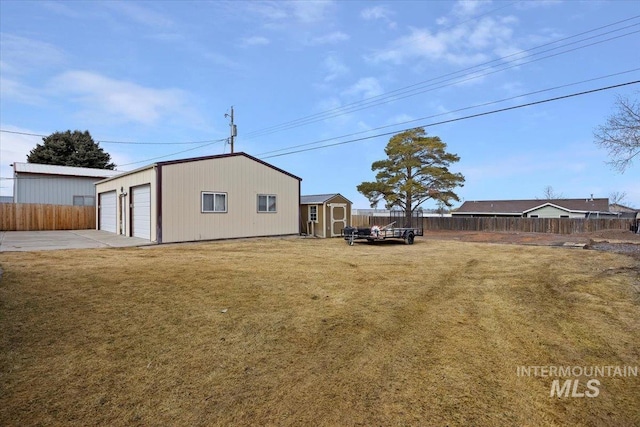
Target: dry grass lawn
(315, 333)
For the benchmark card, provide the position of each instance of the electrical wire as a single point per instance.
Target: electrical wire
(407, 91)
(119, 142)
(486, 113)
(410, 90)
(173, 154)
(454, 111)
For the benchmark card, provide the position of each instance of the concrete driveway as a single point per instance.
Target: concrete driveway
(11, 241)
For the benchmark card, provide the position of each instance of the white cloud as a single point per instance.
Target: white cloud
(13, 90)
(331, 38)
(366, 87)
(524, 5)
(139, 14)
(310, 11)
(255, 41)
(469, 8)
(299, 12)
(466, 44)
(375, 13)
(102, 97)
(334, 67)
(21, 55)
(61, 9)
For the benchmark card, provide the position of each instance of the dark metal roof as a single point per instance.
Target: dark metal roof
(520, 206)
(197, 159)
(319, 198)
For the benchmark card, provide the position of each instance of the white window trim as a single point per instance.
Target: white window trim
(214, 193)
(313, 220)
(267, 196)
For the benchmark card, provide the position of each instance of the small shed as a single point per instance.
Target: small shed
(324, 215)
(205, 198)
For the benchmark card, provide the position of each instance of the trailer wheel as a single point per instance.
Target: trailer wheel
(409, 238)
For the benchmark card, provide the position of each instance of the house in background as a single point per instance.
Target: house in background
(623, 211)
(56, 185)
(324, 215)
(556, 208)
(204, 198)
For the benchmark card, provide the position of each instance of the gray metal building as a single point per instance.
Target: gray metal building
(56, 185)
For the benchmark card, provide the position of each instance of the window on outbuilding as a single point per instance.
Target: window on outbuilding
(313, 213)
(83, 201)
(266, 203)
(214, 202)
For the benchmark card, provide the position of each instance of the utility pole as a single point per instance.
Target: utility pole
(234, 129)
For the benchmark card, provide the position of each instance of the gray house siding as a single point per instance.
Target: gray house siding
(54, 190)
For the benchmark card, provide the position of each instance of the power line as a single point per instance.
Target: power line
(454, 111)
(173, 154)
(432, 87)
(407, 91)
(166, 155)
(411, 89)
(486, 113)
(119, 142)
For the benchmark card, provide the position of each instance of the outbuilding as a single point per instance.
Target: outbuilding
(56, 185)
(204, 198)
(324, 215)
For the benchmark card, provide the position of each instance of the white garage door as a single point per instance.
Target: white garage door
(141, 211)
(108, 211)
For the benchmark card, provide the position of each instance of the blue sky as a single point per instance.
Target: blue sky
(303, 72)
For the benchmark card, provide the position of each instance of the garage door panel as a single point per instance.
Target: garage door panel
(108, 211)
(141, 211)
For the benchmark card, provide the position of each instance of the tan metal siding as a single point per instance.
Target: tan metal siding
(242, 179)
(145, 176)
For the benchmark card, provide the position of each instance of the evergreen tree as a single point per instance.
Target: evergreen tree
(71, 149)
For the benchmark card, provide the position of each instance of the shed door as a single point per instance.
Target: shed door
(338, 218)
(108, 211)
(141, 211)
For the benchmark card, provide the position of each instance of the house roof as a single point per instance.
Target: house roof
(19, 167)
(319, 198)
(507, 207)
(197, 159)
(616, 207)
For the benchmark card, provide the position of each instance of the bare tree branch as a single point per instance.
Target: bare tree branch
(620, 135)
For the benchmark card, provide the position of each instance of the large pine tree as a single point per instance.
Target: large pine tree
(71, 149)
(416, 170)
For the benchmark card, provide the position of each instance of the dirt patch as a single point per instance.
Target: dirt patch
(631, 249)
(538, 239)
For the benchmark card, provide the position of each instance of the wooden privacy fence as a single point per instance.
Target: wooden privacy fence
(523, 225)
(37, 217)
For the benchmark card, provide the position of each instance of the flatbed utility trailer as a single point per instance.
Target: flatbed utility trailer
(413, 227)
